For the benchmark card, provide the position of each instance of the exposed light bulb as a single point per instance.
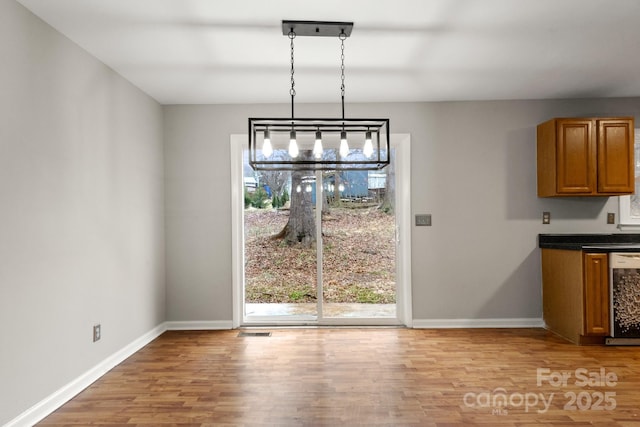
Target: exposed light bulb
(267, 149)
(344, 146)
(308, 188)
(367, 150)
(317, 147)
(298, 188)
(341, 187)
(293, 145)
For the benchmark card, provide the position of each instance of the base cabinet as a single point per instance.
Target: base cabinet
(575, 294)
(596, 294)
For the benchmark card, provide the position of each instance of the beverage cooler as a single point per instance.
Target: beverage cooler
(624, 298)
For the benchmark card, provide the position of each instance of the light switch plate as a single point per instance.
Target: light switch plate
(423, 220)
(611, 218)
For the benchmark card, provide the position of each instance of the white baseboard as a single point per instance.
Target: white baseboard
(199, 325)
(478, 323)
(52, 402)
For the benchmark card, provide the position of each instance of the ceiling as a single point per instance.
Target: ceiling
(220, 52)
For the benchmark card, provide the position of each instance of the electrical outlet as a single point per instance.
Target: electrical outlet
(96, 332)
(546, 217)
(611, 218)
(423, 220)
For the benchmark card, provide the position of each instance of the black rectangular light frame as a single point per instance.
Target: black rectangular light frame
(378, 127)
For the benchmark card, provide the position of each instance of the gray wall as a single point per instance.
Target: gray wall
(473, 168)
(86, 203)
(81, 211)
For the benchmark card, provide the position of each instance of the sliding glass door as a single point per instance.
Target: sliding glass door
(358, 246)
(319, 247)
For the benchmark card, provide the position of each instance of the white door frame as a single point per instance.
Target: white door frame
(402, 143)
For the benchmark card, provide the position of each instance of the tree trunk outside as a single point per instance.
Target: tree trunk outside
(337, 198)
(301, 226)
(326, 209)
(388, 204)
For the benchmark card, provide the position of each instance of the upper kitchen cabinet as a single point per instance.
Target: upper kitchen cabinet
(586, 157)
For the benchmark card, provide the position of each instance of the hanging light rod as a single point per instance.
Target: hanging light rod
(317, 28)
(339, 143)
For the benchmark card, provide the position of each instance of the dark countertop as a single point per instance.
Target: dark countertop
(591, 242)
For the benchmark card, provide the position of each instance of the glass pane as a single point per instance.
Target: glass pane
(280, 270)
(359, 256)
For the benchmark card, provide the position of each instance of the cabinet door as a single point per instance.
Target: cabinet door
(575, 157)
(596, 294)
(615, 156)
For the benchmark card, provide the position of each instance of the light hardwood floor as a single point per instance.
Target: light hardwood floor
(366, 376)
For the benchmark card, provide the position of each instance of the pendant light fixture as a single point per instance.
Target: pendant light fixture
(367, 150)
(267, 149)
(317, 146)
(333, 143)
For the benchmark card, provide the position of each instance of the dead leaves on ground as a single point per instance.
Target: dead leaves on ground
(358, 259)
